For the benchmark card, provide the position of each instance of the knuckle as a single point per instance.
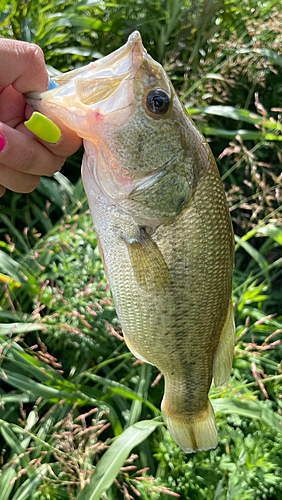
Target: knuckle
(35, 55)
(25, 162)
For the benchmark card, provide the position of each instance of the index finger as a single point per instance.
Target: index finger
(22, 65)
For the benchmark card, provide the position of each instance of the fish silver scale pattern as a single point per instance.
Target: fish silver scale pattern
(187, 319)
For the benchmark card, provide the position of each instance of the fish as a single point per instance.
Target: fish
(163, 226)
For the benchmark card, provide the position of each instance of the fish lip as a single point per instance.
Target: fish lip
(107, 70)
(114, 64)
(134, 37)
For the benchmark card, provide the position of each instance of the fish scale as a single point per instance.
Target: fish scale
(163, 226)
(171, 316)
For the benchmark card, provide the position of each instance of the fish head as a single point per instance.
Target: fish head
(134, 129)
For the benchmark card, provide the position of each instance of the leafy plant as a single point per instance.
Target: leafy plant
(79, 416)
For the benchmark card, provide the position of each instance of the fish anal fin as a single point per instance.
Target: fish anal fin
(223, 357)
(192, 431)
(149, 266)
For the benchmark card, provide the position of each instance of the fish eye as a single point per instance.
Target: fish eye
(158, 101)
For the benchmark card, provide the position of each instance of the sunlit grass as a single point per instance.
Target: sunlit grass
(71, 392)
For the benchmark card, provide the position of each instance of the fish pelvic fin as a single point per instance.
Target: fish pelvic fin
(193, 431)
(223, 357)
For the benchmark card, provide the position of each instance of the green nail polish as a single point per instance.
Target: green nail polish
(43, 128)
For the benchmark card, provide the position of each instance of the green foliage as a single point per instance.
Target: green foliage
(245, 465)
(71, 392)
(114, 458)
(61, 357)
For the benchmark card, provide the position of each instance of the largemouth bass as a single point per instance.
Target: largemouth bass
(163, 226)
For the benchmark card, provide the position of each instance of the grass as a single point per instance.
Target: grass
(79, 416)
(66, 374)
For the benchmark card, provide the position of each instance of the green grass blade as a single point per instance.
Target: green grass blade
(17, 446)
(10, 437)
(142, 389)
(269, 54)
(122, 390)
(20, 361)
(256, 256)
(17, 397)
(253, 278)
(65, 184)
(272, 231)
(242, 115)
(111, 462)
(31, 387)
(50, 188)
(13, 230)
(248, 408)
(6, 477)
(19, 273)
(87, 395)
(10, 267)
(29, 487)
(246, 135)
(12, 328)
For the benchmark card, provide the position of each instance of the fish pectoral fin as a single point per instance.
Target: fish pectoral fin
(192, 432)
(149, 266)
(223, 357)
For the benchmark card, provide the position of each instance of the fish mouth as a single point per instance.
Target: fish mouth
(100, 85)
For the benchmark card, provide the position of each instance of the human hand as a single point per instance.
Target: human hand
(23, 156)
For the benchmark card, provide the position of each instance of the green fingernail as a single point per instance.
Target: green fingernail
(43, 128)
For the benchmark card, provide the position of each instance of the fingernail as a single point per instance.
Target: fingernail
(2, 142)
(52, 84)
(43, 127)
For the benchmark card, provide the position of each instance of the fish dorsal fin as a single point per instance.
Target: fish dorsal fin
(149, 266)
(223, 357)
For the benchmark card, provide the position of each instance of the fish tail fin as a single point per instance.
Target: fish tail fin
(193, 431)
